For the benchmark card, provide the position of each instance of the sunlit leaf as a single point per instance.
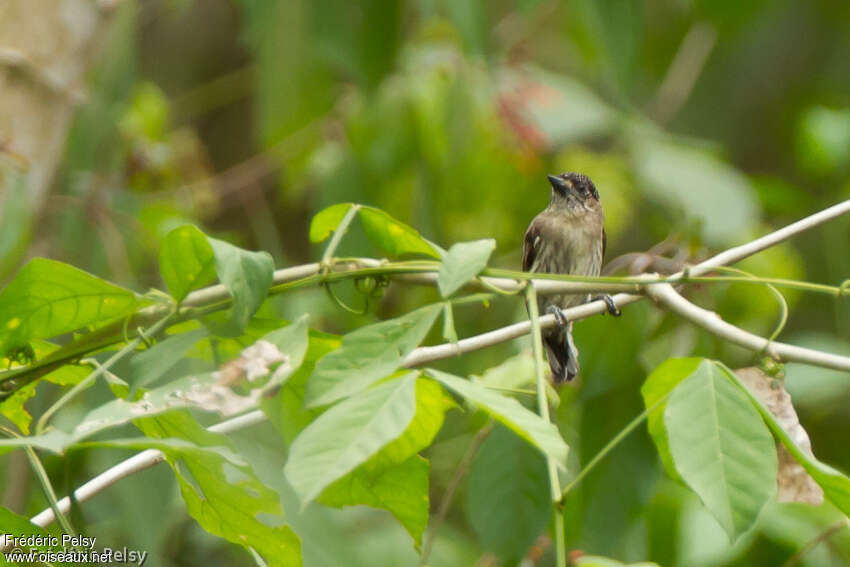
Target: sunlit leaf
(393, 236)
(225, 497)
(48, 298)
(721, 448)
(462, 263)
(507, 496)
(367, 355)
(246, 275)
(20, 527)
(511, 413)
(186, 261)
(348, 434)
(327, 220)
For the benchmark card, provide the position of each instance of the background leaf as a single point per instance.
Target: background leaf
(507, 497)
(462, 263)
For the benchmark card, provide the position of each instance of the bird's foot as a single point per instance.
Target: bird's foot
(609, 302)
(559, 315)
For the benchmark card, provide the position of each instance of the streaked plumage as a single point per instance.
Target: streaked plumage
(566, 238)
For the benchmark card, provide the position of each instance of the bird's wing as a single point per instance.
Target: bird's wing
(604, 242)
(529, 245)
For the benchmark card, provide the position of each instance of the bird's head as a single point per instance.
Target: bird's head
(573, 191)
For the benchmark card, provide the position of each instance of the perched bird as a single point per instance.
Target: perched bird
(566, 238)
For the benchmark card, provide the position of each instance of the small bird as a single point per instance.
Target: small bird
(568, 237)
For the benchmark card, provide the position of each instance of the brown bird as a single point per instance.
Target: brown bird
(568, 237)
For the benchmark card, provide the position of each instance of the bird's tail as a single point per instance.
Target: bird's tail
(562, 354)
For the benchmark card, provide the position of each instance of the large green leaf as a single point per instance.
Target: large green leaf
(225, 498)
(835, 484)
(246, 275)
(48, 298)
(462, 263)
(511, 413)
(657, 386)
(186, 261)
(396, 479)
(721, 448)
(508, 501)
(348, 434)
(367, 355)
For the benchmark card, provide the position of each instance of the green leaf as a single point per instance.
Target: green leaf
(226, 498)
(528, 425)
(380, 481)
(508, 501)
(49, 298)
(721, 448)
(150, 365)
(327, 220)
(393, 236)
(658, 385)
(20, 527)
(835, 484)
(13, 406)
(246, 275)
(367, 355)
(186, 261)
(348, 434)
(464, 261)
(401, 489)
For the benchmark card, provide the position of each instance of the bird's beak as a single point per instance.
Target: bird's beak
(559, 185)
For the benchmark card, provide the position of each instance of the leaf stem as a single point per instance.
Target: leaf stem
(543, 410)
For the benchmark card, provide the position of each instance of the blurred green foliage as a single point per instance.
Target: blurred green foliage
(247, 117)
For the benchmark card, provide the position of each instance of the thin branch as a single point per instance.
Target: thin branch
(446, 502)
(820, 538)
(667, 297)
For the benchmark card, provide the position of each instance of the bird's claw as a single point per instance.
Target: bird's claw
(609, 303)
(559, 315)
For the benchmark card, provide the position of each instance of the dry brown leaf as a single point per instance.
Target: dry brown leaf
(793, 482)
